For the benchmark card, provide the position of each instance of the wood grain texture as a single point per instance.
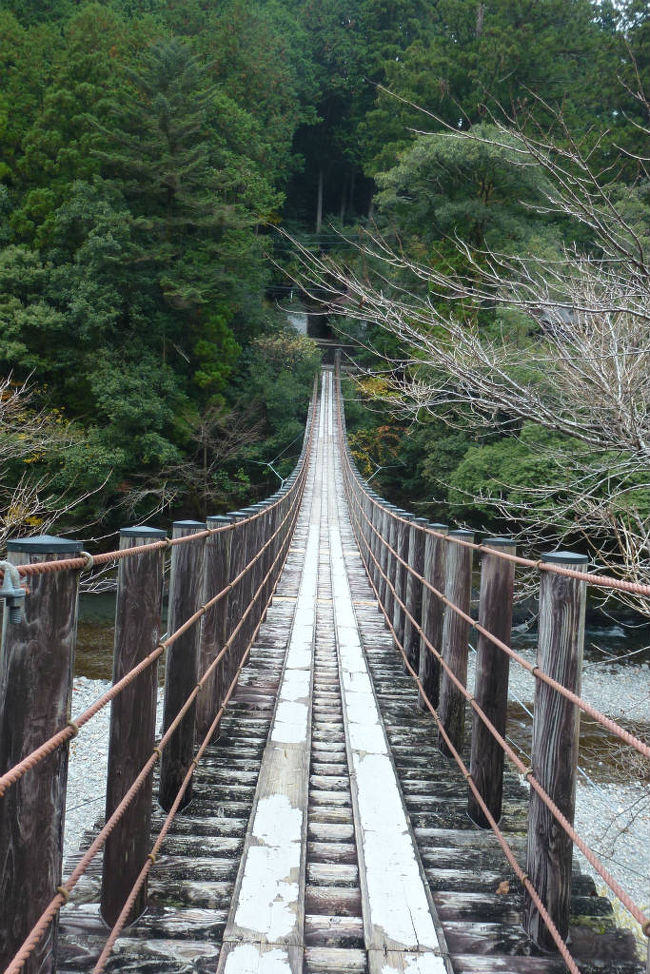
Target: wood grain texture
(391, 564)
(413, 593)
(237, 600)
(491, 688)
(556, 728)
(382, 553)
(36, 667)
(213, 624)
(182, 667)
(435, 555)
(455, 640)
(133, 721)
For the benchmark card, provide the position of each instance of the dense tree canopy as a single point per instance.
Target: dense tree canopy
(149, 147)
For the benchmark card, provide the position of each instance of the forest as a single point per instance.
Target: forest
(171, 171)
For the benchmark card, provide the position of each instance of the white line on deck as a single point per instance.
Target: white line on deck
(399, 915)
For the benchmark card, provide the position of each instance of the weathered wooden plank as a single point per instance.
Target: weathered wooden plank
(268, 902)
(327, 960)
(387, 856)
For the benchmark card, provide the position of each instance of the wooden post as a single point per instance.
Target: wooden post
(133, 720)
(435, 552)
(491, 686)
(36, 668)
(402, 536)
(455, 639)
(375, 520)
(237, 601)
(253, 545)
(413, 598)
(182, 668)
(391, 561)
(213, 624)
(556, 728)
(383, 539)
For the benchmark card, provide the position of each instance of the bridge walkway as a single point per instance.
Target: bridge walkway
(327, 833)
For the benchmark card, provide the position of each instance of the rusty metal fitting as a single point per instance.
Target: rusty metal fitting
(90, 561)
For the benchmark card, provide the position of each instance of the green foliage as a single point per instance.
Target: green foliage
(146, 146)
(279, 374)
(478, 192)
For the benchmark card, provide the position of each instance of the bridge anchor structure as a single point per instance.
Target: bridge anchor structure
(320, 800)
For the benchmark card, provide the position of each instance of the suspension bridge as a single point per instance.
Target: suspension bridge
(327, 794)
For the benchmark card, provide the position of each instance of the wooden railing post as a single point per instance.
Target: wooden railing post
(402, 536)
(182, 669)
(413, 593)
(391, 561)
(36, 668)
(491, 685)
(213, 624)
(435, 552)
(455, 639)
(133, 720)
(242, 553)
(375, 520)
(383, 540)
(556, 728)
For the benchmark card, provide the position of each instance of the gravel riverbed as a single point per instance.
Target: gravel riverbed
(613, 816)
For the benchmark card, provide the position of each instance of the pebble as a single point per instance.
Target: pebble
(613, 819)
(88, 763)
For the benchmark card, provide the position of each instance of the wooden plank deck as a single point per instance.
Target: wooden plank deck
(327, 833)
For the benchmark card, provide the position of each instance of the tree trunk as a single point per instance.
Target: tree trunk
(319, 202)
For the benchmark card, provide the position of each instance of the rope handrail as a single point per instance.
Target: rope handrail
(509, 854)
(638, 915)
(536, 671)
(72, 564)
(365, 530)
(65, 889)
(596, 579)
(71, 729)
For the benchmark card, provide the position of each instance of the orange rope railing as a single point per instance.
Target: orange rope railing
(364, 530)
(253, 611)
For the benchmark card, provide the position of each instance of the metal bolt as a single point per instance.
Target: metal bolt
(12, 592)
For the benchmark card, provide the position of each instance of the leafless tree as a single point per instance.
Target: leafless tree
(218, 437)
(29, 504)
(576, 362)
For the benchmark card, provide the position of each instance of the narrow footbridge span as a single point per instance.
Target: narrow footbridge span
(324, 794)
